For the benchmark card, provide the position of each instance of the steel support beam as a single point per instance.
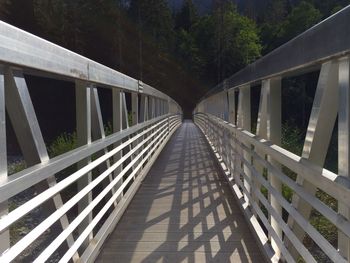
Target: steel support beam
(344, 145)
(83, 119)
(272, 88)
(117, 104)
(244, 122)
(26, 126)
(5, 236)
(135, 108)
(231, 107)
(98, 132)
(318, 136)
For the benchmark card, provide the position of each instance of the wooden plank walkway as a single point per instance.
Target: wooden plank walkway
(183, 212)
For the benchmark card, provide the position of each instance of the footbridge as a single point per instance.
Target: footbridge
(156, 188)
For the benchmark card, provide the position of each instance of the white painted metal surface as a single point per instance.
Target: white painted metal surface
(256, 160)
(109, 168)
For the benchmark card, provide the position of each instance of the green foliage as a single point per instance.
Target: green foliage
(302, 17)
(187, 16)
(227, 41)
(292, 138)
(188, 51)
(278, 26)
(16, 167)
(328, 7)
(62, 144)
(154, 16)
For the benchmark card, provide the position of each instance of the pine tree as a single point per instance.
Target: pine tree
(227, 41)
(187, 16)
(154, 17)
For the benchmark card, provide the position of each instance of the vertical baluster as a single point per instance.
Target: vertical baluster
(273, 134)
(117, 127)
(319, 133)
(5, 236)
(135, 120)
(244, 122)
(231, 119)
(83, 119)
(98, 132)
(344, 145)
(134, 109)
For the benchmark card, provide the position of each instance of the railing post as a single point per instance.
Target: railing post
(5, 236)
(231, 106)
(344, 145)
(98, 132)
(168, 125)
(135, 119)
(244, 122)
(206, 124)
(231, 119)
(134, 109)
(83, 119)
(117, 105)
(273, 133)
(150, 107)
(317, 139)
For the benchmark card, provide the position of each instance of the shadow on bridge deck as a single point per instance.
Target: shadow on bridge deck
(183, 212)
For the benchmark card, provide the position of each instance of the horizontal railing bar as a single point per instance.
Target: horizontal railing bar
(93, 248)
(340, 222)
(335, 185)
(75, 223)
(302, 250)
(270, 254)
(335, 218)
(266, 223)
(27, 51)
(295, 241)
(330, 251)
(31, 204)
(153, 92)
(16, 249)
(20, 181)
(71, 251)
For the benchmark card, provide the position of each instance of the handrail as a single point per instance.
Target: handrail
(87, 189)
(35, 55)
(253, 160)
(221, 133)
(34, 174)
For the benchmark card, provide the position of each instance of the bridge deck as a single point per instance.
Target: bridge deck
(183, 211)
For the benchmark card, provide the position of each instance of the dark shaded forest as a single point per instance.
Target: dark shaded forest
(182, 48)
(182, 52)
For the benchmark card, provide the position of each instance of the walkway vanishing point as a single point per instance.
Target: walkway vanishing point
(158, 189)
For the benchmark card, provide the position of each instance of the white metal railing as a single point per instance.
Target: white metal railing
(258, 167)
(109, 169)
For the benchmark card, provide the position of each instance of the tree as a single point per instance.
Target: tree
(271, 24)
(328, 7)
(187, 16)
(302, 17)
(19, 13)
(154, 17)
(4, 9)
(279, 27)
(227, 42)
(188, 52)
(276, 12)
